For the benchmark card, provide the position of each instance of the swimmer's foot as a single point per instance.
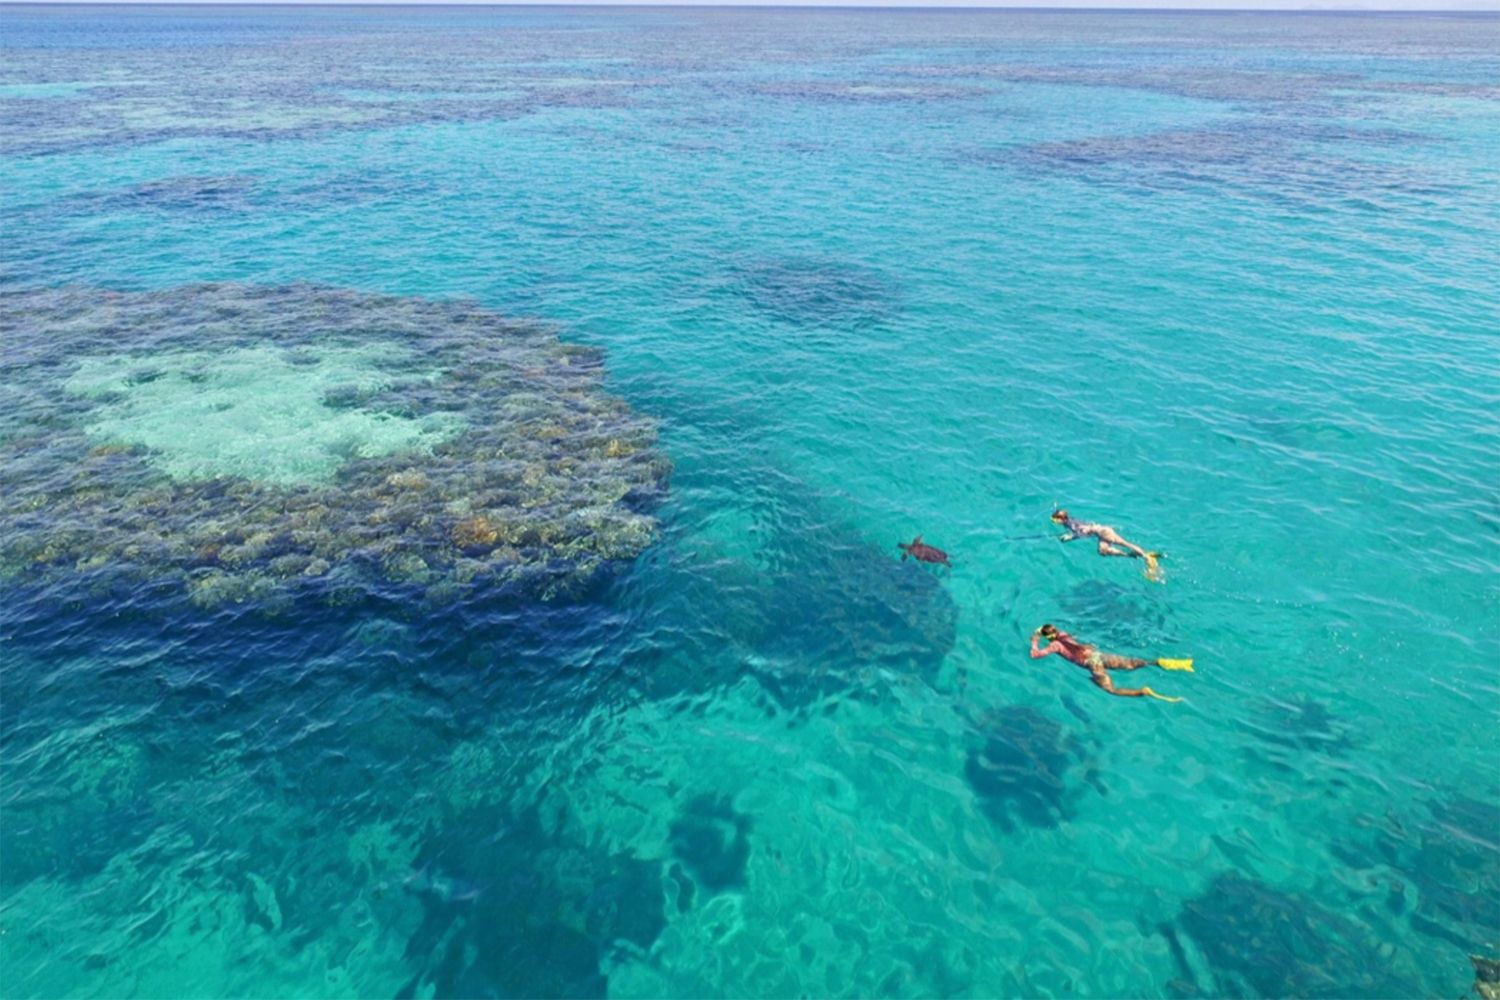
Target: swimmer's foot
(1159, 697)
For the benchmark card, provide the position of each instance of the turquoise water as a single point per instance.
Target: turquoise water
(1227, 282)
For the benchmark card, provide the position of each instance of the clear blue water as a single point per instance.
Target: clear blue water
(1228, 282)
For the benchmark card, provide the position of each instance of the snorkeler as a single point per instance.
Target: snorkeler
(1110, 542)
(1099, 664)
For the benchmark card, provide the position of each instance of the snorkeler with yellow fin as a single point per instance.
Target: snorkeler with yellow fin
(1110, 542)
(1098, 664)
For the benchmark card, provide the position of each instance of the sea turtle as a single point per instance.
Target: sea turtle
(922, 552)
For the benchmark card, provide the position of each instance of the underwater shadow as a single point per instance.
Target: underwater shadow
(1114, 616)
(816, 292)
(526, 912)
(816, 613)
(711, 839)
(1290, 729)
(1451, 858)
(1022, 768)
(1260, 942)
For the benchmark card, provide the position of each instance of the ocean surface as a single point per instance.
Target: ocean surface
(452, 462)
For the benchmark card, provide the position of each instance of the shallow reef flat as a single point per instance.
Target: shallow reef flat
(251, 443)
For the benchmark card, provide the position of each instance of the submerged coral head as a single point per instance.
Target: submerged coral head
(246, 442)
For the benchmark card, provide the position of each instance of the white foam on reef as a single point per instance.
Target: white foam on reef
(257, 413)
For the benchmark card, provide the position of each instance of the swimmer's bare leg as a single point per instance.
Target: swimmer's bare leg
(1102, 680)
(1119, 545)
(1112, 661)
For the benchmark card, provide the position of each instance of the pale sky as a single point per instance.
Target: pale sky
(1416, 5)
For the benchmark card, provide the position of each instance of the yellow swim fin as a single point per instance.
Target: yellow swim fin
(1167, 664)
(1159, 697)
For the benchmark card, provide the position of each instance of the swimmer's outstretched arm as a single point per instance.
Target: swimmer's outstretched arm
(1051, 647)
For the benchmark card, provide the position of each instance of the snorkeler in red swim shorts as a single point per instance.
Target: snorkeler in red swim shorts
(1099, 664)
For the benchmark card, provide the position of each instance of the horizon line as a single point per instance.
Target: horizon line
(1233, 7)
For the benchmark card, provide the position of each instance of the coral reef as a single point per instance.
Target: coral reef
(1020, 771)
(711, 839)
(1300, 725)
(873, 91)
(1451, 858)
(483, 933)
(244, 442)
(817, 292)
(197, 193)
(1267, 158)
(1258, 941)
